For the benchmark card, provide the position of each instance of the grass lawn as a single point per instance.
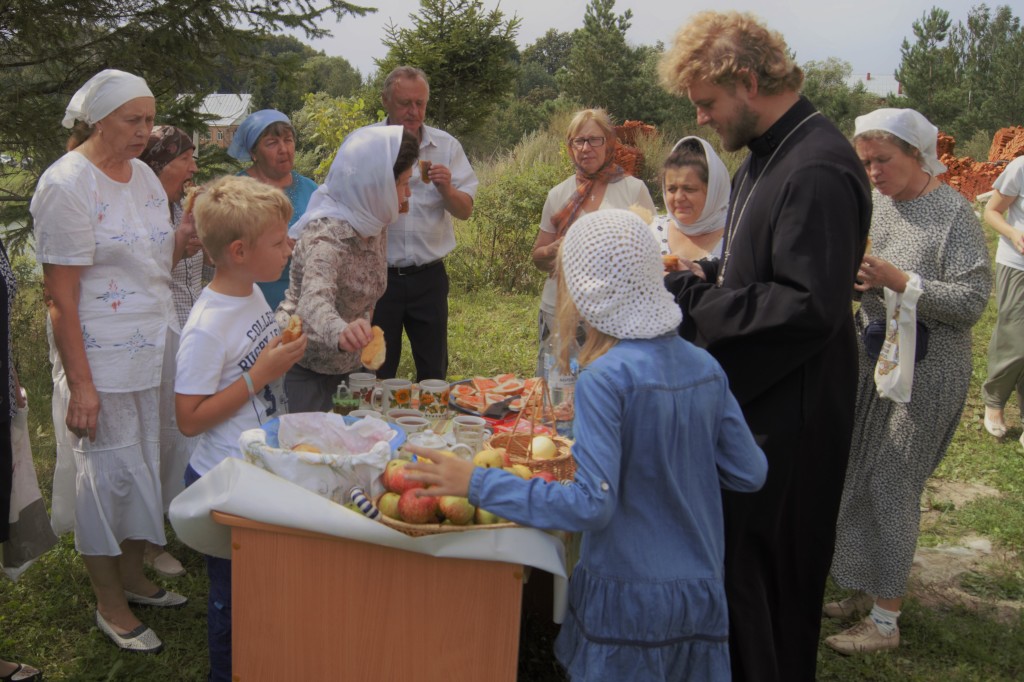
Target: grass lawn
(46, 618)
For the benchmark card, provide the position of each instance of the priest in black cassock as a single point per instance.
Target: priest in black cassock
(775, 311)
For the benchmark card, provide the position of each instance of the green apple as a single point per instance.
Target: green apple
(484, 517)
(544, 448)
(458, 510)
(388, 506)
(520, 470)
(489, 459)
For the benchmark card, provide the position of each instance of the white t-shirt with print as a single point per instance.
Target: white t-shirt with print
(222, 338)
(1010, 183)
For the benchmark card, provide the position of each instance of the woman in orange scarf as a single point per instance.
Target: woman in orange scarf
(599, 183)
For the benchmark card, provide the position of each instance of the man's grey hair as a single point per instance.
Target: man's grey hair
(399, 72)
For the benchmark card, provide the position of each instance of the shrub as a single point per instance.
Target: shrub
(495, 244)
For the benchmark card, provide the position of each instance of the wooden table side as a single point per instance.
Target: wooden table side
(317, 607)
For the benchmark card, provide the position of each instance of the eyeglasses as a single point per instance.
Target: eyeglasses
(594, 142)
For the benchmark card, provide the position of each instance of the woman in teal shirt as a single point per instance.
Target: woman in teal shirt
(267, 138)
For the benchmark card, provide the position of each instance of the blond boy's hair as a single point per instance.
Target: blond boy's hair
(235, 207)
(721, 48)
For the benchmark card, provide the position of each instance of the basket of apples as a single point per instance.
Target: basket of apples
(402, 510)
(538, 453)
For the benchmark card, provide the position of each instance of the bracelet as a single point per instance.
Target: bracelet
(248, 382)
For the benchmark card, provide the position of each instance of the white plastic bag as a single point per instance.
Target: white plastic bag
(30, 533)
(349, 456)
(894, 369)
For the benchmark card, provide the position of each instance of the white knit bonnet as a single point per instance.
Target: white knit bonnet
(614, 273)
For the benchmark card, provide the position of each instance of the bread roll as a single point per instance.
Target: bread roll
(670, 261)
(374, 352)
(293, 330)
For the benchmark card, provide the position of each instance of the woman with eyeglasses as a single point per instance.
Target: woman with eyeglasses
(599, 183)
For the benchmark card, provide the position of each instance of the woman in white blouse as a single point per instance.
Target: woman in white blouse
(105, 242)
(599, 183)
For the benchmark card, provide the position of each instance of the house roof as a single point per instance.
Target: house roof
(881, 84)
(225, 110)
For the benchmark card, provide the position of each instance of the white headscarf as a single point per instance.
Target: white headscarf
(103, 93)
(613, 271)
(911, 127)
(360, 187)
(712, 217)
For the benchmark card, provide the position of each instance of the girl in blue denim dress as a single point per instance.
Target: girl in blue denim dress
(658, 434)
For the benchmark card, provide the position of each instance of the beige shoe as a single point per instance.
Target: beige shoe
(863, 638)
(852, 607)
(162, 562)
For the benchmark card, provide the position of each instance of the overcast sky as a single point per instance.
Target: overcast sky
(865, 33)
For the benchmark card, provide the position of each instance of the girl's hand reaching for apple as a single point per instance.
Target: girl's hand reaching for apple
(446, 475)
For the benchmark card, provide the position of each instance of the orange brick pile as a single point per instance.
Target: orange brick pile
(1007, 144)
(970, 177)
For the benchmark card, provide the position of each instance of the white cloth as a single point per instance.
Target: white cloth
(894, 369)
(426, 233)
(103, 93)
(621, 194)
(911, 127)
(222, 338)
(120, 234)
(613, 271)
(663, 223)
(116, 494)
(240, 488)
(1010, 183)
(360, 188)
(712, 217)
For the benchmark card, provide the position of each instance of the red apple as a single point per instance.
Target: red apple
(388, 505)
(395, 477)
(417, 509)
(458, 510)
(546, 475)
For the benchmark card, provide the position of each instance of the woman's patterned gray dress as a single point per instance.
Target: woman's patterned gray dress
(896, 447)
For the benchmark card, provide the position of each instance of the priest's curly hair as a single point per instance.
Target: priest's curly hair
(722, 48)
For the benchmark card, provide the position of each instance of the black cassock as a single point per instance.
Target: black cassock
(781, 326)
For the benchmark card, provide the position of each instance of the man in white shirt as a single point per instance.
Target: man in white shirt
(417, 292)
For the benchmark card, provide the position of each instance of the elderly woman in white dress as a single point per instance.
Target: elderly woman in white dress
(695, 185)
(105, 242)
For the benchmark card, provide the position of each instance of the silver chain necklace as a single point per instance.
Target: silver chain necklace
(735, 220)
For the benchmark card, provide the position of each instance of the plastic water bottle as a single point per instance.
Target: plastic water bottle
(561, 386)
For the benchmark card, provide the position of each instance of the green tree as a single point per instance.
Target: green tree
(601, 64)
(321, 125)
(989, 51)
(468, 54)
(48, 48)
(550, 51)
(825, 85)
(333, 75)
(928, 69)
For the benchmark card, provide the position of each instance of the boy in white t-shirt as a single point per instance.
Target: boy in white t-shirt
(231, 362)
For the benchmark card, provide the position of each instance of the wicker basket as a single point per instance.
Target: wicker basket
(417, 530)
(520, 445)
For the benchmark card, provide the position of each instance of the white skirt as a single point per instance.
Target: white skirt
(112, 489)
